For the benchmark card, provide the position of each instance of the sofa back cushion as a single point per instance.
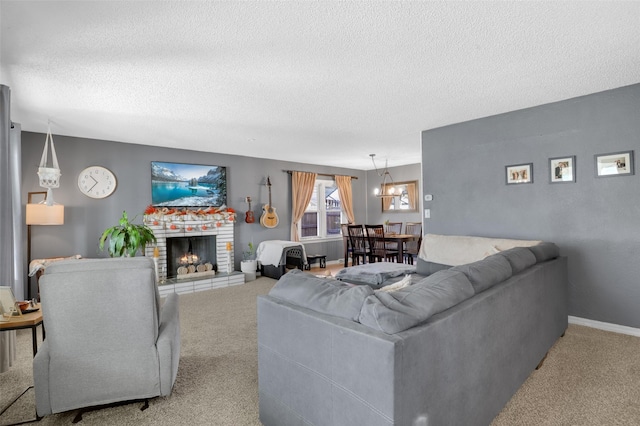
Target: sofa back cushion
(426, 268)
(324, 295)
(486, 272)
(101, 264)
(460, 249)
(392, 312)
(520, 258)
(545, 251)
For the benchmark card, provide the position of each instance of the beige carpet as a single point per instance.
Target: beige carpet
(590, 377)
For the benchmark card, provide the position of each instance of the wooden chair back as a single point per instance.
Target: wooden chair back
(413, 247)
(394, 228)
(344, 227)
(377, 244)
(358, 242)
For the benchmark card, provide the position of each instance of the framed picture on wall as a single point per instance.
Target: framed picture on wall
(519, 173)
(614, 164)
(7, 302)
(562, 169)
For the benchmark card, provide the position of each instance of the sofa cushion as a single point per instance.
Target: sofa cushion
(545, 251)
(487, 272)
(392, 312)
(324, 295)
(520, 258)
(426, 268)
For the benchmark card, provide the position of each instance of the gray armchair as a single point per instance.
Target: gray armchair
(108, 339)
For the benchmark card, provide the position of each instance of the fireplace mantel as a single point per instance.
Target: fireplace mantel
(220, 224)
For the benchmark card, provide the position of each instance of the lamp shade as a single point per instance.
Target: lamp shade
(42, 214)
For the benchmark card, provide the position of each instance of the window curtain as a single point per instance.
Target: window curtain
(412, 191)
(11, 268)
(302, 185)
(346, 196)
(386, 203)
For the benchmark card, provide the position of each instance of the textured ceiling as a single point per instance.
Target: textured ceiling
(312, 82)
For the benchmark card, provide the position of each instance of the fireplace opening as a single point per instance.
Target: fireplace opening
(188, 255)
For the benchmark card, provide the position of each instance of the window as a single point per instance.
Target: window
(324, 213)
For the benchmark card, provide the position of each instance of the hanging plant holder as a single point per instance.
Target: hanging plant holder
(49, 176)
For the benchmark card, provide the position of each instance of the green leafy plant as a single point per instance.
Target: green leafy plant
(249, 254)
(126, 238)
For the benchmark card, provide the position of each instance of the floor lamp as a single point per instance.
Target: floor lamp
(45, 212)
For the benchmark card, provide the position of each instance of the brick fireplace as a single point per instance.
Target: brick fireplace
(185, 226)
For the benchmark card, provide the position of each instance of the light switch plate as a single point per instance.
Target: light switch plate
(427, 213)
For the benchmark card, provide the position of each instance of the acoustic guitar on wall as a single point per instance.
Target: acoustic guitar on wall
(269, 218)
(248, 217)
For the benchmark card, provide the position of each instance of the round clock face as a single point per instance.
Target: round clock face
(96, 182)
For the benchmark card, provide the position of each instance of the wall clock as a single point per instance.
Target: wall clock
(97, 182)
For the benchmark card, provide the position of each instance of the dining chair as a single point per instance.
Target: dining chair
(393, 228)
(347, 246)
(377, 244)
(359, 246)
(412, 248)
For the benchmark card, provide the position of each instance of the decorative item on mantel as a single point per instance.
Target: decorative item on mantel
(229, 250)
(180, 219)
(156, 255)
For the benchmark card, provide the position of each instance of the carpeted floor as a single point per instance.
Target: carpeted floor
(590, 377)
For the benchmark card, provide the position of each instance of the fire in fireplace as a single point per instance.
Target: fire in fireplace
(191, 254)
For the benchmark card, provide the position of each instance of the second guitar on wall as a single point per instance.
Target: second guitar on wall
(269, 218)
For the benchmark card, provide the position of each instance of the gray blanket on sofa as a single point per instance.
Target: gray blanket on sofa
(374, 273)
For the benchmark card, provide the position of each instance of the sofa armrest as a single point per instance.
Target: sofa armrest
(169, 343)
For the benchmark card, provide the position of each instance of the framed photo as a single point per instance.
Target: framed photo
(519, 173)
(562, 169)
(614, 164)
(7, 302)
(188, 185)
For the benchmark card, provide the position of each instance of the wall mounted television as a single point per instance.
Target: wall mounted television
(188, 185)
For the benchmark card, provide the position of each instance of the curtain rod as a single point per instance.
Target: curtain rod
(320, 174)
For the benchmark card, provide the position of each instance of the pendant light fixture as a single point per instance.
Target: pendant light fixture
(387, 189)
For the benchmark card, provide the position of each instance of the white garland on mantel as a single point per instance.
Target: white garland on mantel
(188, 222)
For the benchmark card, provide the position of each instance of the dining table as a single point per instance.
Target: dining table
(389, 238)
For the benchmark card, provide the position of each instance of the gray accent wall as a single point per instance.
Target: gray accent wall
(86, 218)
(595, 221)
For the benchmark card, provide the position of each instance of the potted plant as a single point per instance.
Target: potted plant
(126, 238)
(249, 264)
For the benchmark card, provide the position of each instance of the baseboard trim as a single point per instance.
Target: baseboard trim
(606, 326)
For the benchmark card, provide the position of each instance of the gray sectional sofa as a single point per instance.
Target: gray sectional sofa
(450, 349)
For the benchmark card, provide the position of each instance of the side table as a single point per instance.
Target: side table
(31, 320)
(312, 258)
